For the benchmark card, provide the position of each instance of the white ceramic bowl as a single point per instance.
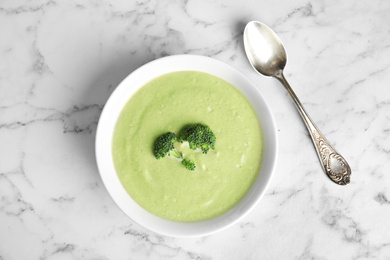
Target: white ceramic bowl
(111, 113)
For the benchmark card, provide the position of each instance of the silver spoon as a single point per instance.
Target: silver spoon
(267, 56)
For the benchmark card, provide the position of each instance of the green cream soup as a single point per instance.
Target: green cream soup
(222, 176)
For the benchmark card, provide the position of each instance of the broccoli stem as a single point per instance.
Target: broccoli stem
(174, 153)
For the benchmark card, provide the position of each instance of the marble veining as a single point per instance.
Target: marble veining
(61, 60)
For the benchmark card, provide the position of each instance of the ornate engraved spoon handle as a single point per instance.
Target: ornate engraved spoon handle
(334, 165)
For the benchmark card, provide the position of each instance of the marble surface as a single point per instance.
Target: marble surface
(60, 60)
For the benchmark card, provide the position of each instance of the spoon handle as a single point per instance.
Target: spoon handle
(334, 165)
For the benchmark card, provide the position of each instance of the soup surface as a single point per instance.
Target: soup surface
(222, 176)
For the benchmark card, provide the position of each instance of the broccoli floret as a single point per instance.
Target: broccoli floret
(190, 164)
(164, 145)
(198, 136)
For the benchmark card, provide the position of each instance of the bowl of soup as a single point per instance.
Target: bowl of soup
(164, 96)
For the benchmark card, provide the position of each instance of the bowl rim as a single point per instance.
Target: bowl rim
(106, 124)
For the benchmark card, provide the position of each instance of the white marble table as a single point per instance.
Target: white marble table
(60, 60)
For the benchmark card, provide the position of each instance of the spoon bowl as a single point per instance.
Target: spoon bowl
(267, 56)
(264, 49)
